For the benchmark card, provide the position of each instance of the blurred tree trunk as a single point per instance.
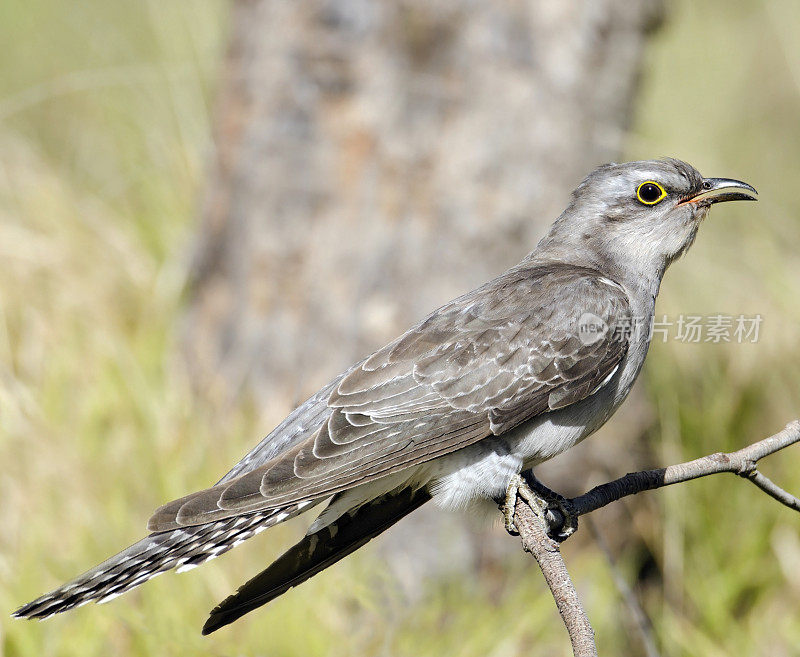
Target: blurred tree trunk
(375, 159)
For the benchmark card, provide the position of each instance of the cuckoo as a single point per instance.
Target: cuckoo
(484, 388)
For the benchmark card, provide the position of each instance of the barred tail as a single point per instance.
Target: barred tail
(183, 548)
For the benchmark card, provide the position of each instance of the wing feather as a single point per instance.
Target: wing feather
(478, 366)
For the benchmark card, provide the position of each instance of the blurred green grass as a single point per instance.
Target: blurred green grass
(104, 124)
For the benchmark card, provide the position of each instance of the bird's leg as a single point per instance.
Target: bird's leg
(553, 508)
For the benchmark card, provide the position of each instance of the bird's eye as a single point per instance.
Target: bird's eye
(650, 192)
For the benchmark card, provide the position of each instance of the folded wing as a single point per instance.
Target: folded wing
(478, 366)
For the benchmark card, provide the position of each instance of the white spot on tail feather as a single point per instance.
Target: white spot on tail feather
(141, 579)
(186, 567)
(109, 597)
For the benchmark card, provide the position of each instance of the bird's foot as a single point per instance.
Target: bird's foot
(508, 505)
(552, 508)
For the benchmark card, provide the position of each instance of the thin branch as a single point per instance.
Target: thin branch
(773, 490)
(536, 529)
(741, 462)
(547, 553)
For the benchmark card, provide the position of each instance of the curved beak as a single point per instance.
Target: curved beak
(716, 190)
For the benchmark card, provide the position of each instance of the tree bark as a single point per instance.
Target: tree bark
(374, 159)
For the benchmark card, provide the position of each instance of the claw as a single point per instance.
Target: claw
(553, 508)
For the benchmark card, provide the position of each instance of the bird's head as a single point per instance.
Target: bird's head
(634, 219)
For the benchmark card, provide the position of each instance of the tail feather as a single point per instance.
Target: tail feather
(182, 548)
(316, 552)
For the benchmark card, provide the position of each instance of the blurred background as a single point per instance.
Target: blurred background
(208, 209)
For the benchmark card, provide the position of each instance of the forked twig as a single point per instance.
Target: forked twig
(536, 529)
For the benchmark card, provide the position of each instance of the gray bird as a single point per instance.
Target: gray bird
(487, 386)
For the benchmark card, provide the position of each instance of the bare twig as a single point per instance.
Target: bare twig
(547, 553)
(741, 463)
(773, 490)
(536, 529)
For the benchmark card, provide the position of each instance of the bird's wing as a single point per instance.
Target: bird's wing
(479, 365)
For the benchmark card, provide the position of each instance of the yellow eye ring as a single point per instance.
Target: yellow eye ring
(650, 192)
